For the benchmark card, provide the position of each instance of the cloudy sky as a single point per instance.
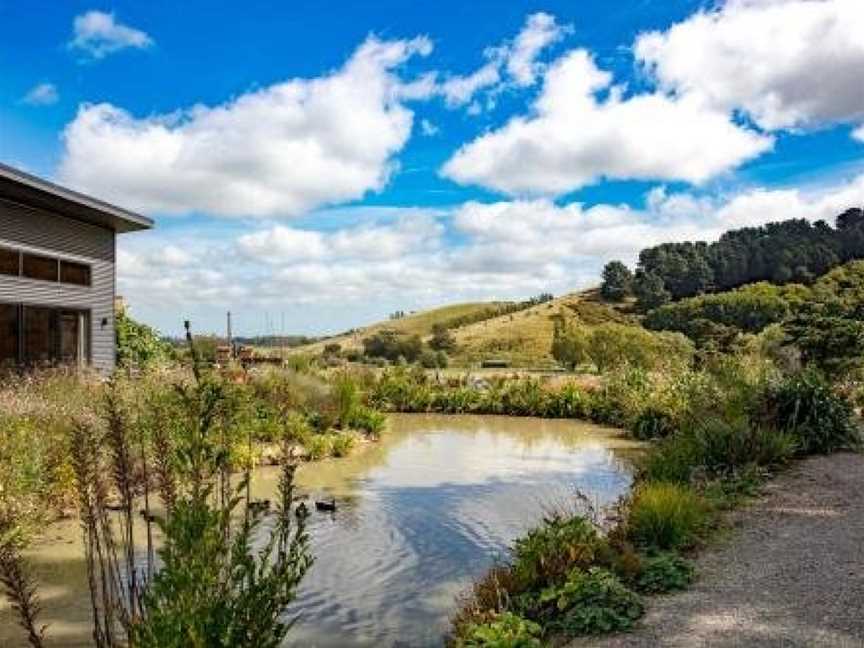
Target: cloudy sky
(315, 165)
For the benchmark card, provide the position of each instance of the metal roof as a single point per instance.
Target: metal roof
(26, 189)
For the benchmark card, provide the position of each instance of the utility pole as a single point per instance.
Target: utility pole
(230, 343)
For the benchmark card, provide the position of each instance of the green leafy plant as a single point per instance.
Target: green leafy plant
(806, 406)
(591, 602)
(505, 630)
(665, 572)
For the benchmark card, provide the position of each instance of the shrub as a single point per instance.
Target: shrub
(665, 572)
(505, 630)
(368, 420)
(341, 444)
(591, 602)
(666, 516)
(319, 446)
(806, 406)
(652, 423)
(716, 449)
(551, 551)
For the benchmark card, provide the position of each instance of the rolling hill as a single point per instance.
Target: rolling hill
(522, 338)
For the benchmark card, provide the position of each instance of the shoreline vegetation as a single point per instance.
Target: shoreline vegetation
(726, 388)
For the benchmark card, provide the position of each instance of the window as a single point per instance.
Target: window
(40, 267)
(9, 262)
(39, 336)
(8, 334)
(74, 273)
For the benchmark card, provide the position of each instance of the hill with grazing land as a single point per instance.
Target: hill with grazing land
(416, 323)
(521, 338)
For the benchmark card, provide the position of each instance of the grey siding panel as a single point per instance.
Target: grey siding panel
(66, 238)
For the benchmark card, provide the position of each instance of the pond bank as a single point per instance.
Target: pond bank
(421, 513)
(789, 574)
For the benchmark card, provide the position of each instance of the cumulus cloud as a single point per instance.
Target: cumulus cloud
(573, 138)
(98, 34)
(278, 151)
(42, 94)
(501, 250)
(540, 31)
(789, 64)
(858, 134)
(513, 63)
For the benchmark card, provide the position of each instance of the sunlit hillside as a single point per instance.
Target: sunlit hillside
(521, 339)
(417, 323)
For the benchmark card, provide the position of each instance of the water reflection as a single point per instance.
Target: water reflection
(421, 513)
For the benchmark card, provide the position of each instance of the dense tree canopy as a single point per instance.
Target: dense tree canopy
(792, 251)
(617, 281)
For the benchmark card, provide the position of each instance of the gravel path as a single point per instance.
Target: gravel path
(791, 573)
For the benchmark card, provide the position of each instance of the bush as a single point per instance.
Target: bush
(341, 444)
(665, 572)
(666, 516)
(368, 420)
(547, 554)
(807, 407)
(717, 449)
(591, 602)
(319, 446)
(505, 630)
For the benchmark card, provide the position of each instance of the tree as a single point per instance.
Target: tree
(650, 291)
(442, 338)
(138, 345)
(617, 281)
(570, 345)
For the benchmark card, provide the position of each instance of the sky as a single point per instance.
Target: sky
(315, 165)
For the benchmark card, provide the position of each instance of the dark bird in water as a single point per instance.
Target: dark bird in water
(259, 505)
(326, 506)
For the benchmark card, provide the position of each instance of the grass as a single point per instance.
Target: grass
(419, 323)
(664, 516)
(719, 431)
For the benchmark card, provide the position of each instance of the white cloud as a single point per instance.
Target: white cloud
(787, 63)
(415, 258)
(460, 90)
(42, 94)
(513, 63)
(98, 34)
(540, 31)
(572, 138)
(278, 151)
(859, 133)
(428, 128)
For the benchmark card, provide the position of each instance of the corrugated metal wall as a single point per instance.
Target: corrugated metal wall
(41, 231)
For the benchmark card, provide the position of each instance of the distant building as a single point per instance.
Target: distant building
(57, 273)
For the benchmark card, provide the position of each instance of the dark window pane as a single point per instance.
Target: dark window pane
(8, 261)
(40, 267)
(70, 338)
(8, 334)
(39, 337)
(74, 273)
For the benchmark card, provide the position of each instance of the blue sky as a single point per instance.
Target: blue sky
(324, 163)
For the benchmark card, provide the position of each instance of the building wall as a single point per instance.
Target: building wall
(41, 231)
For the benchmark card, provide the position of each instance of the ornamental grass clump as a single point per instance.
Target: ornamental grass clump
(664, 516)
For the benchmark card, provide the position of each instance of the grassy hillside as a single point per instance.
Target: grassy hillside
(418, 323)
(525, 338)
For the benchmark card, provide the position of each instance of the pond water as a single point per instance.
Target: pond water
(420, 515)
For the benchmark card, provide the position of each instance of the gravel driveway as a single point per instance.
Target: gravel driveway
(791, 573)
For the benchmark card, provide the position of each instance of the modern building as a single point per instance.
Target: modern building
(57, 273)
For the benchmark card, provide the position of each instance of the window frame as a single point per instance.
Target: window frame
(60, 262)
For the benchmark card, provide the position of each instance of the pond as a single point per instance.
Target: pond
(420, 515)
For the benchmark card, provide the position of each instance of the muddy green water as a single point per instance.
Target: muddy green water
(421, 514)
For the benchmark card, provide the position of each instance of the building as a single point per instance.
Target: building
(57, 273)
